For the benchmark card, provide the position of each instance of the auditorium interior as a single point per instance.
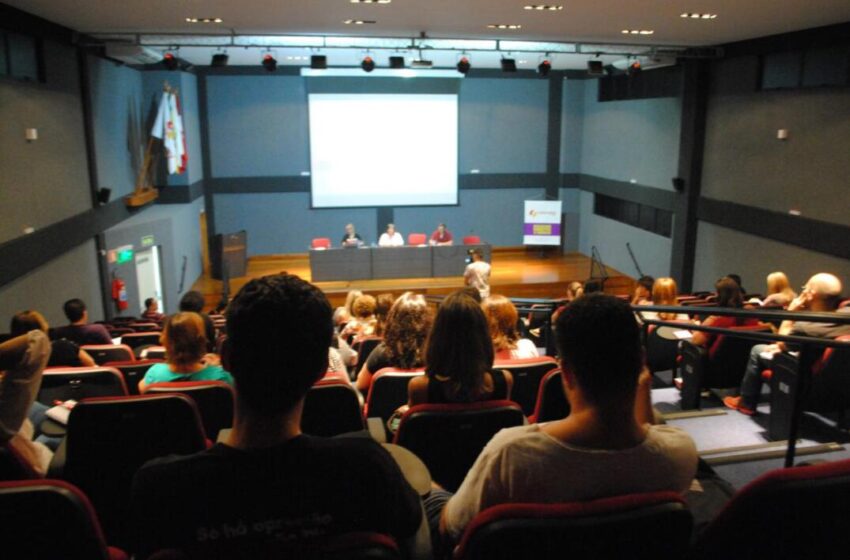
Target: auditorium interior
(678, 143)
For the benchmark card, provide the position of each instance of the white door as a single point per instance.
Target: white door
(149, 277)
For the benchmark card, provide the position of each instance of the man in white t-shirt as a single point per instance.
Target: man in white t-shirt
(605, 447)
(391, 238)
(477, 274)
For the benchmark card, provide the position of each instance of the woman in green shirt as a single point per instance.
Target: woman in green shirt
(185, 342)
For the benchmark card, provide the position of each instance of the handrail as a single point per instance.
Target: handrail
(769, 314)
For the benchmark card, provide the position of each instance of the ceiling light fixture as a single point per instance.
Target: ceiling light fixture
(637, 31)
(269, 63)
(170, 61)
(219, 60)
(368, 64)
(463, 65)
(694, 15)
(512, 26)
(543, 7)
(370, 1)
(634, 68)
(359, 22)
(204, 20)
(544, 67)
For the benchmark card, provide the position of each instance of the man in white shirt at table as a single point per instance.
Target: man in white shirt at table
(391, 238)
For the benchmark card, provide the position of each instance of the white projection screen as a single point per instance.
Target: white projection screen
(383, 149)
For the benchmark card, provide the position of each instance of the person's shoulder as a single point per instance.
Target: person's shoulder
(507, 439)
(671, 438)
(180, 467)
(843, 310)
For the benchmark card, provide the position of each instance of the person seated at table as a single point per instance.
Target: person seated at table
(362, 321)
(502, 318)
(441, 236)
(351, 237)
(152, 311)
(185, 354)
(63, 353)
(459, 358)
(408, 323)
(391, 238)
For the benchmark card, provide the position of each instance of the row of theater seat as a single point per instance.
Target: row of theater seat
(784, 514)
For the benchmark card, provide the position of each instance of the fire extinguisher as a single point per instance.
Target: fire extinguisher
(119, 294)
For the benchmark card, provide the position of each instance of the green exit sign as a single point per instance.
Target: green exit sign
(124, 256)
(147, 241)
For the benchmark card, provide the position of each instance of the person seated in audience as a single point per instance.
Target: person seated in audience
(351, 238)
(152, 311)
(63, 352)
(441, 236)
(607, 446)
(574, 291)
(383, 304)
(737, 279)
(22, 362)
(502, 318)
(391, 238)
(643, 291)
(185, 354)
(408, 324)
(363, 319)
(477, 273)
(459, 358)
(79, 330)
(779, 292)
(665, 292)
(343, 314)
(822, 294)
(193, 301)
(593, 287)
(729, 296)
(268, 485)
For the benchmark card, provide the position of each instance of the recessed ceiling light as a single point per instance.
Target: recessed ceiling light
(694, 15)
(370, 1)
(359, 22)
(637, 31)
(541, 7)
(522, 61)
(504, 26)
(204, 20)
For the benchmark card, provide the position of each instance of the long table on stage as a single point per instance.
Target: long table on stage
(371, 263)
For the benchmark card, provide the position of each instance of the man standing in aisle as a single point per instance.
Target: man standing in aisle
(477, 273)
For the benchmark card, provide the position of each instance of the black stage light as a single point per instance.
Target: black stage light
(397, 62)
(319, 62)
(543, 68)
(634, 68)
(595, 68)
(170, 61)
(368, 64)
(219, 60)
(463, 65)
(269, 63)
(508, 65)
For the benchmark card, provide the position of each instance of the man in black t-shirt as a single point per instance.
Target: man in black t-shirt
(79, 331)
(269, 485)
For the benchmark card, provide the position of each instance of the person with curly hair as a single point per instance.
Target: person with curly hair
(408, 323)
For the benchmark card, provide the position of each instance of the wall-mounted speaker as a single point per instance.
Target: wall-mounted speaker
(103, 196)
(678, 184)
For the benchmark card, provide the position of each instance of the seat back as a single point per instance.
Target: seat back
(552, 402)
(449, 437)
(49, 519)
(388, 391)
(152, 353)
(138, 339)
(417, 239)
(108, 439)
(320, 243)
(214, 399)
(363, 347)
(133, 372)
(142, 327)
(527, 374)
(661, 351)
(830, 389)
(651, 526)
(786, 513)
(104, 353)
(61, 384)
(471, 240)
(727, 358)
(331, 407)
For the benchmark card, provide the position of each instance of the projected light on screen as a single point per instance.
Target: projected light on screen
(383, 149)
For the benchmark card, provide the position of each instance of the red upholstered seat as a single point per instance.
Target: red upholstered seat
(133, 372)
(62, 384)
(471, 240)
(417, 239)
(103, 353)
(387, 392)
(332, 407)
(652, 526)
(794, 513)
(320, 243)
(552, 402)
(50, 519)
(527, 373)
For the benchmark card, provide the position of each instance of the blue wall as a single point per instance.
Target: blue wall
(572, 123)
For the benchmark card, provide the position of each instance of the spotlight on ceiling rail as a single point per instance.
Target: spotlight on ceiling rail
(368, 64)
(463, 65)
(269, 63)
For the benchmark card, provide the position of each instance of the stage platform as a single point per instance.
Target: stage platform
(517, 272)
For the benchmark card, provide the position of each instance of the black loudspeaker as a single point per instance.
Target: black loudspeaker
(396, 62)
(678, 184)
(595, 68)
(508, 65)
(103, 196)
(318, 62)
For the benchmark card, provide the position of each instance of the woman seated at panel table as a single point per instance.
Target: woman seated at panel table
(502, 318)
(185, 343)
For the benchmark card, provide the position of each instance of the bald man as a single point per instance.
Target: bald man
(821, 294)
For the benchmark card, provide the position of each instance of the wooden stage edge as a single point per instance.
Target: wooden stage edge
(517, 272)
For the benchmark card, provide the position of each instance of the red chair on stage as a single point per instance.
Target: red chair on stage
(417, 239)
(321, 243)
(472, 240)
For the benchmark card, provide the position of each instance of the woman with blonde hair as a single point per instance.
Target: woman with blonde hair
(779, 292)
(502, 320)
(185, 342)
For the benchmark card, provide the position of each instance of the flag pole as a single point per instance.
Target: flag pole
(144, 193)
